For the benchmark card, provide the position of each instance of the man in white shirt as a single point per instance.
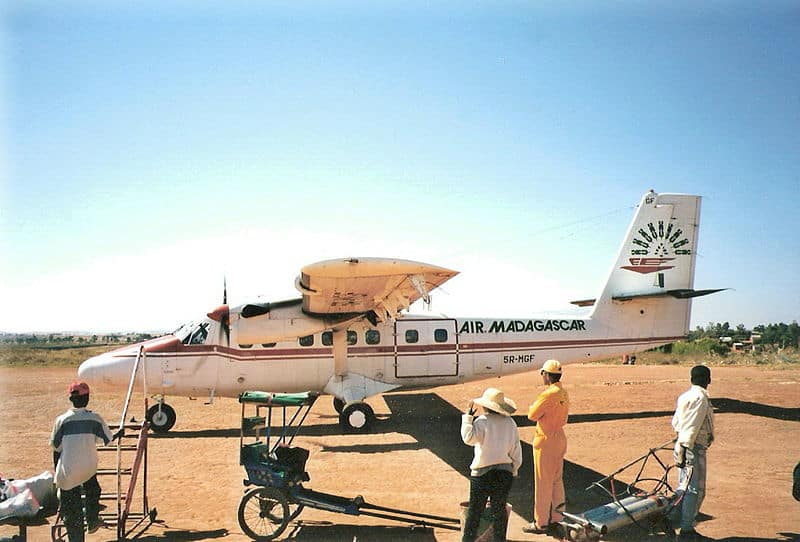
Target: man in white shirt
(694, 423)
(74, 441)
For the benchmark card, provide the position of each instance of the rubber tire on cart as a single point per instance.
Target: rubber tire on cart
(356, 418)
(161, 420)
(264, 513)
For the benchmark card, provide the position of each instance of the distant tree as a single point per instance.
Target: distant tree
(781, 335)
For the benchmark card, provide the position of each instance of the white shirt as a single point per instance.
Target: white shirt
(694, 418)
(495, 438)
(75, 436)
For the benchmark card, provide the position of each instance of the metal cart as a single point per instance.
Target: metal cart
(642, 502)
(276, 469)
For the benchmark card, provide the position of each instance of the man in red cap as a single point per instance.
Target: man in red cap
(550, 412)
(74, 441)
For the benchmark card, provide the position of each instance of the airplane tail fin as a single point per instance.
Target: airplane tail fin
(649, 289)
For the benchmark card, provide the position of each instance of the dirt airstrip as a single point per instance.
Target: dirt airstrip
(413, 459)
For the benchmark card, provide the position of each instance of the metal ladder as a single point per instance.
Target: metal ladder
(135, 455)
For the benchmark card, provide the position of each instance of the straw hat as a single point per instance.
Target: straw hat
(496, 401)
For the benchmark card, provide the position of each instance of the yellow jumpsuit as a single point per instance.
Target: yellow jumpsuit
(549, 411)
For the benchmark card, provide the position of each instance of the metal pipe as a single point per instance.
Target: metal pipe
(617, 514)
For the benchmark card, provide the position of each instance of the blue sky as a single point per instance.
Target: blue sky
(150, 151)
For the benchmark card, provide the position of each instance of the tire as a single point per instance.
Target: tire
(161, 419)
(264, 513)
(356, 418)
(338, 405)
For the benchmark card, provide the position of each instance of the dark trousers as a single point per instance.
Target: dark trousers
(72, 508)
(493, 486)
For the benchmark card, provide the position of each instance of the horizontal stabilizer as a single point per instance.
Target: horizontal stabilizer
(681, 293)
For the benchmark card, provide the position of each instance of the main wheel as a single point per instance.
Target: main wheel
(356, 418)
(161, 417)
(263, 513)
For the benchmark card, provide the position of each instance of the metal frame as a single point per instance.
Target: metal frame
(290, 489)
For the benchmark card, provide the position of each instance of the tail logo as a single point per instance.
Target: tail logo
(648, 265)
(657, 242)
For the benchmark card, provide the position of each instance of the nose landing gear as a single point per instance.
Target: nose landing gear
(161, 417)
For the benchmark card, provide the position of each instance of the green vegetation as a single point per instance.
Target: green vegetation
(690, 353)
(63, 340)
(13, 355)
(779, 335)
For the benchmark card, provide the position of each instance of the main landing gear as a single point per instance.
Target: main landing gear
(161, 417)
(355, 417)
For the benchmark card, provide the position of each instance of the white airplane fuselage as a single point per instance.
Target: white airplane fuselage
(413, 351)
(349, 337)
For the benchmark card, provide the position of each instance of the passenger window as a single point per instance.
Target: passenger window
(412, 336)
(245, 346)
(268, 345)
(327, 338)
(440, 335)
(372, 336)
(307, 340)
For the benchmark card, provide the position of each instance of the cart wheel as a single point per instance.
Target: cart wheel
(356, 418)
(338, 405)
(263, 513)
(161, 420)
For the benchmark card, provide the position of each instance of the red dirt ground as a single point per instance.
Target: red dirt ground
(414, 459)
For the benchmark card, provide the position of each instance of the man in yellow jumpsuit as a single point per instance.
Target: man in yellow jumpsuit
(550, 412)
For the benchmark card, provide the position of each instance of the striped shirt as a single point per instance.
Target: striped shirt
(75, 436)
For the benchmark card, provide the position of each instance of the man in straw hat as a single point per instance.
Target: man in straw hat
(549, 411)
(74, 441)
(498, 457)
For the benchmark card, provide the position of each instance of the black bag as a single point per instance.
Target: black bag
(294, 459)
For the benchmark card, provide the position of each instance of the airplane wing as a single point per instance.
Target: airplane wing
(360, 285)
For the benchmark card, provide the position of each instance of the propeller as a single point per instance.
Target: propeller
(226, 320)
(222, 313)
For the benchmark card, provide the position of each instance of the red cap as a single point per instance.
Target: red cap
(79, 388)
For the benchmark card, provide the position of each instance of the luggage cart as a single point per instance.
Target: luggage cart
(277, 470)
(649, 497)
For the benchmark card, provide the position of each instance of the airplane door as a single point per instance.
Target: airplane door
(426, 348)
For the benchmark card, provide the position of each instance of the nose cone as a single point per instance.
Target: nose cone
(89, 370)
(106, 370)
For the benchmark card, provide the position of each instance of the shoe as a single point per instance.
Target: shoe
(532, 528)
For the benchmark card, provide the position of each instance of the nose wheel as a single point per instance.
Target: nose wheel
(161, 417)
(356, 418)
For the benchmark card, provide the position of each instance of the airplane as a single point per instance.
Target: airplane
(350, 336)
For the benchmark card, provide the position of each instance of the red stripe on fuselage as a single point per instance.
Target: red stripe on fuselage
(174, 347)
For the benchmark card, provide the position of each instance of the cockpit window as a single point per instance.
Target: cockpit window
(198, 335)
(184, 331)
